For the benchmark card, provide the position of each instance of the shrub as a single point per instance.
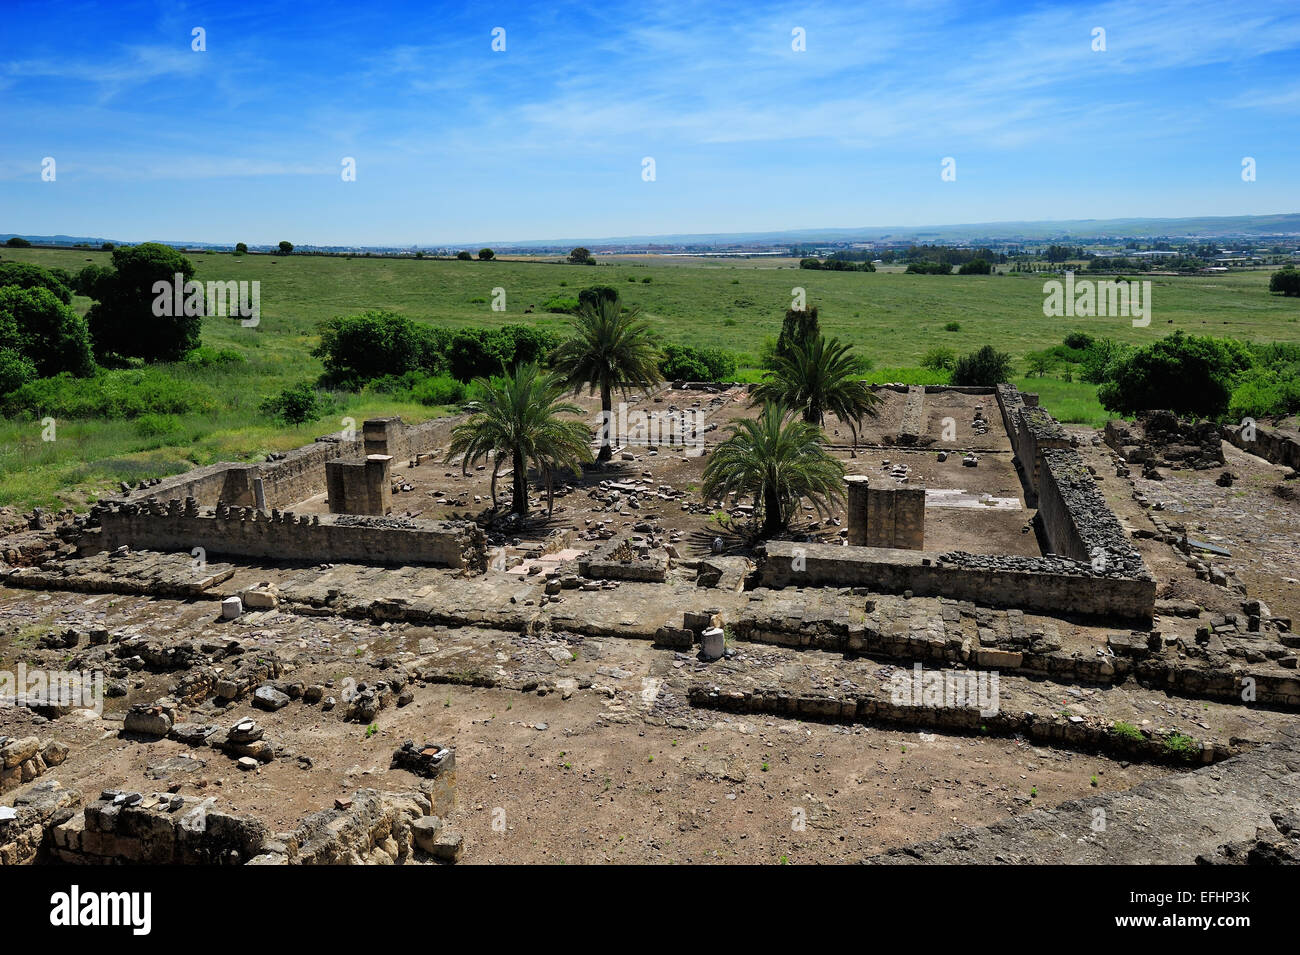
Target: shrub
(986, 367)
(975, 267)
(123, 393)
(930, 268)
(952, 327)
(16, 370)
(486, 255)
(557, 303)
(939, 359)
(45, 330)
(295, 406)
(685, 362)
(205, 357)
(439, 390)
(464, 256)
(1126, 731)
(1186, 374)
(28, 276)
(358, 348)
(1287, 281)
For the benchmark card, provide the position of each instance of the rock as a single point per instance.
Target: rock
(18, 751)
(267, 697)
(247, 763)
(448, 847)
(231, 608)
(425, 831)
(147, 720)
(54, 752)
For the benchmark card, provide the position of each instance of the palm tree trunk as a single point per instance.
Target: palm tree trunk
(772, 523)
(496, 468)
(607, 433)
(550, 492)
(521, 484)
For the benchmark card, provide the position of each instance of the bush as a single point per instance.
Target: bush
(952, 327)
(33, 276)
(930, 268)
(1287, 281)
(439, 390)
(205, 357)
(1185, 374)
(975, 267)
(358, 348)
(48, 332)
(295, 406)
(687, 363)
(464, 256)
(486, 255)
(16, 370)
(124, 393)
(986, 367)
(939, 359)
(559, 304)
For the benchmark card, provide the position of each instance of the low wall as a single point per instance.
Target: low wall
(1031, 431)
(1272, 446)
(244, 532)
(291, 477)
(1055, 585)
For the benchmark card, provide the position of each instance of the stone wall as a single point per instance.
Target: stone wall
(1077, 522)
(889, 516)
(1162, 438)
(360, 487)
(245, 532)
(909, 431)
(625, 558)
(1055, 585)
(1031, 430)
(1272, 446)
(295, 475)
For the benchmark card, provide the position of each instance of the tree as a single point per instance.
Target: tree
(464, 256)
(241, 247)
(18, 242)
(940, 358)
(16, 369)
(1185, 374)
(486, 255)
(33, 276)
(1286, 281)
(286, 248)
(1040, 363)
(610, 350)
(819, 377)
(123, 320)
(986, 368)
(975, 267)
(374, 343)
(581, 256)
(45, 331)
(295, 406)
(779, 461)
(799, 326)
(518, 420)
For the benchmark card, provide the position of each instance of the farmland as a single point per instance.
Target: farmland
(891, 317)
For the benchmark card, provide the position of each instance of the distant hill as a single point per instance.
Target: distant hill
(1198, 227)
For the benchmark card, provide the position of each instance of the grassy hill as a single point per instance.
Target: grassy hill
(892, 317)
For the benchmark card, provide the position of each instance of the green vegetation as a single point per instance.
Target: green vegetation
(986, 367)
(778, 462)
(815, 377)
(708, 304)
(518, 421)
(1127, 731)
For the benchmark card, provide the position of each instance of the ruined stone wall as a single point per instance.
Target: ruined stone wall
(1272, 446)
(1031, 430)
(1077, 522)
(1055, 585)
(292, 477)
(243, 532)
(909, 431)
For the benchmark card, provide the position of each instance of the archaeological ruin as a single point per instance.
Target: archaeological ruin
(304, 625)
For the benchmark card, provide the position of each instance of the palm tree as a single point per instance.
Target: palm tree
(780, 461)
(518, 418)
(815, 377)
(610, 350)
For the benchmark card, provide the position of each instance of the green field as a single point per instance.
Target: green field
(892, 317)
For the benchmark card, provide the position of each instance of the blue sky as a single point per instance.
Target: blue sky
(456, 143)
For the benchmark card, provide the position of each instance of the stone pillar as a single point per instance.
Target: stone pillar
(382, 436)
(857, 506)
(885, 516)
(259, 494)
(379, 491)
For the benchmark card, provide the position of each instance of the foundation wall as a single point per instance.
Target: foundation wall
(1272, 446)
(1046, 584)
(334, 538)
